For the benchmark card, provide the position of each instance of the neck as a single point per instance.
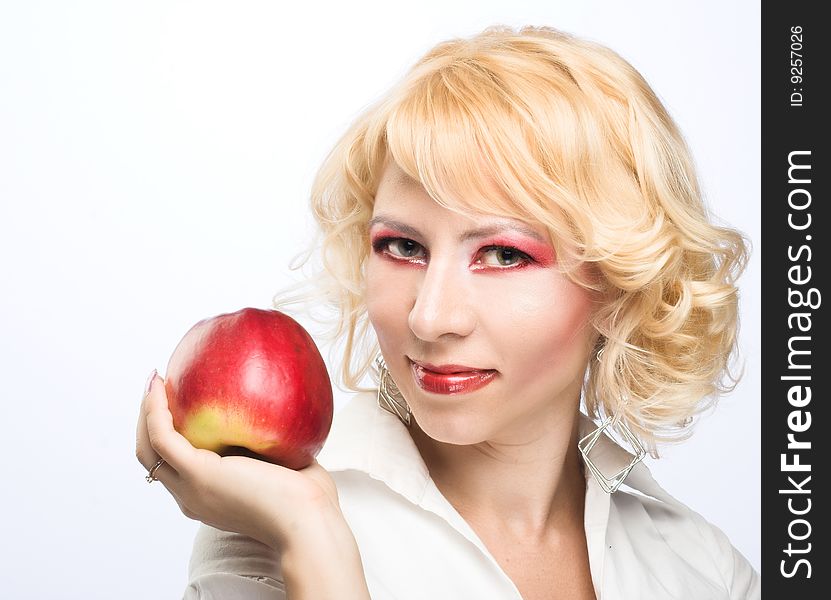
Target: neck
(529, 484)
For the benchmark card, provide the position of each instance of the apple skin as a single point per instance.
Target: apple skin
(251, 382)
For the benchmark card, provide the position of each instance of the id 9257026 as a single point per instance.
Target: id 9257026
(796, 66)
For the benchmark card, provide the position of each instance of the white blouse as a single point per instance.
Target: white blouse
(414, 545)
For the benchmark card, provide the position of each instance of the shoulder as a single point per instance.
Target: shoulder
(657, 524)
(368, 440)
(350, 442)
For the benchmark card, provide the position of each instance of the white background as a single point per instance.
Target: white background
(155, 162)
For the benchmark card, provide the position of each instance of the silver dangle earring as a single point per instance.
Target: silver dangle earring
(610, 484)
(389, 396)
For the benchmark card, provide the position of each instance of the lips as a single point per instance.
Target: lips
(447, 369)
(450, 379)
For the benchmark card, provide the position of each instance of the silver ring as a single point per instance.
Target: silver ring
(151, 474)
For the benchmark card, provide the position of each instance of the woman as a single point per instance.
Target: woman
(514, 228)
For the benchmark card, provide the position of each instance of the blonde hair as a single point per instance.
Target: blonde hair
(542, 126)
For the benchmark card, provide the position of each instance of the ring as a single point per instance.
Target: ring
(151, 474)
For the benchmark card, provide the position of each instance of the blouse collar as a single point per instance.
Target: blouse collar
(367, 438)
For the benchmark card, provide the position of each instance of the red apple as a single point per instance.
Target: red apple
(251, 382)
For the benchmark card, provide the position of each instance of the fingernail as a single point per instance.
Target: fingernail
(150, 382)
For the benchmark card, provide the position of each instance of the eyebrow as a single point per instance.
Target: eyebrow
(467, 235)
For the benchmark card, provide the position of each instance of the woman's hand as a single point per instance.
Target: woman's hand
(267, 502)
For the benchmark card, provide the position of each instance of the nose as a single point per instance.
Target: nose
(444, 304)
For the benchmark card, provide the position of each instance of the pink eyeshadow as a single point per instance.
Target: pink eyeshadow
(542, 253)
(385, 232)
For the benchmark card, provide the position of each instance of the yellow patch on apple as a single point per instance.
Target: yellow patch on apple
(214, 428)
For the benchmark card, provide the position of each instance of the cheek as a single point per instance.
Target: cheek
(549, 327)
(385, 301)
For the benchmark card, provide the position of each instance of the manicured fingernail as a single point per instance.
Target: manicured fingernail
(150, 382)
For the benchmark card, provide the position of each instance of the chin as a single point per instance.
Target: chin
(450, 427)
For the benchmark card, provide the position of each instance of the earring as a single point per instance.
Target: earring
(389, 396)
(612, 483)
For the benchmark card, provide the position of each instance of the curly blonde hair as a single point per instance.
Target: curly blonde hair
(542, 126)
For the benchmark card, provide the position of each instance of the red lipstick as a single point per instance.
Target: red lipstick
(450, 379)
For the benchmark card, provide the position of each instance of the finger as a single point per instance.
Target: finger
(171, 481)
(144, 451)
(147, 455)
(168, 443)
(162, 471)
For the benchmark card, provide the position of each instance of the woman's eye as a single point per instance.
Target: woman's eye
(504, 256)
(400, 247)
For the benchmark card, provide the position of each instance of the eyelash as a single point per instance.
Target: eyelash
(381, 246)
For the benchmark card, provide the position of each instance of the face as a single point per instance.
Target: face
(482, 297)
